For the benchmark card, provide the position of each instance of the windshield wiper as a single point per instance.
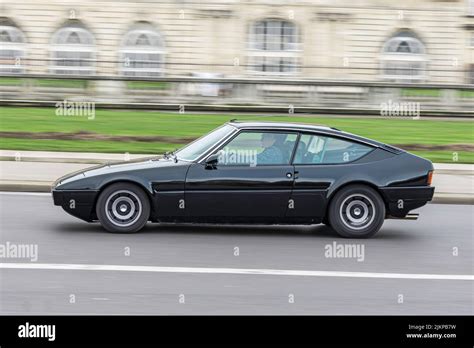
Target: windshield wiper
(171, 154)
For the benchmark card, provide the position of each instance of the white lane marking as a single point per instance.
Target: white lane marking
(25, 193)
(280, 272)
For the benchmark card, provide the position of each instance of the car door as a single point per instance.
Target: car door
(250, 181)
(319, 161)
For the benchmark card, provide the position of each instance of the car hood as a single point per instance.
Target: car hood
(118, 167)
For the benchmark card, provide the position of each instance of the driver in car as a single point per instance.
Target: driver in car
(271, 154)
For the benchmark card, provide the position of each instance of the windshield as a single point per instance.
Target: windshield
(195, 149)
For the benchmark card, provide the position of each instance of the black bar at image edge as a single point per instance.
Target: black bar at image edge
(218, 330)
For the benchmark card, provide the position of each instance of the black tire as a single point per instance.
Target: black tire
(356, 211)
(123, 200)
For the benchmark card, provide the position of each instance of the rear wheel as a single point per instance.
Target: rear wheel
(357, 211)
(123, 208)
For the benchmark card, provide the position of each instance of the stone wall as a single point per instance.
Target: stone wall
(340, 39)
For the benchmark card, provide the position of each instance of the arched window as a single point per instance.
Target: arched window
(73, 51)
(12, 48)
(403, 57)
(274, 46)
(142, 52)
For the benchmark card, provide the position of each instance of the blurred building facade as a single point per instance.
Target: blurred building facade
(429, 41)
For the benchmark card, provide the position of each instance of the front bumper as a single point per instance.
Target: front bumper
(79, 203)
(401, 200)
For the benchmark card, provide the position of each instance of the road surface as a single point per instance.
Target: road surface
(409, 267)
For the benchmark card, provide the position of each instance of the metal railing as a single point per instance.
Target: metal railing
(238, 94)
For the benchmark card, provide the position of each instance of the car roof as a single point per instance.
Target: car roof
(279, 125)
(302, 127)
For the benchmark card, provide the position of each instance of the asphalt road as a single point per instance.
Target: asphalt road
(409, 267)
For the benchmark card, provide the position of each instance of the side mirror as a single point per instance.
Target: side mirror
(212, 161)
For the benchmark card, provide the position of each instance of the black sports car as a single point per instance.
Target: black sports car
(256, 172)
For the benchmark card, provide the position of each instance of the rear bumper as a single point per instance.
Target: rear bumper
(401, 200)
(77, 203)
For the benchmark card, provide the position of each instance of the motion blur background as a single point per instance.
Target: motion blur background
(296, 56)
(97, 81)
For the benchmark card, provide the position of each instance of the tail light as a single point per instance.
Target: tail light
(430, 177)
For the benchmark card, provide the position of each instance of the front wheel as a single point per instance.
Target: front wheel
(123, 208)
(357, 211)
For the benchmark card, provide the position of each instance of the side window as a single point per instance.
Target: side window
(258, 148)
(317, 149)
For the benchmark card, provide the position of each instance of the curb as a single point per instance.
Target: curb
(56, 160)
(453, 198)
(80, 160)
(25, 186)
(45, 187)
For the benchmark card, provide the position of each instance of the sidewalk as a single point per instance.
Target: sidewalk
(35, 171)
